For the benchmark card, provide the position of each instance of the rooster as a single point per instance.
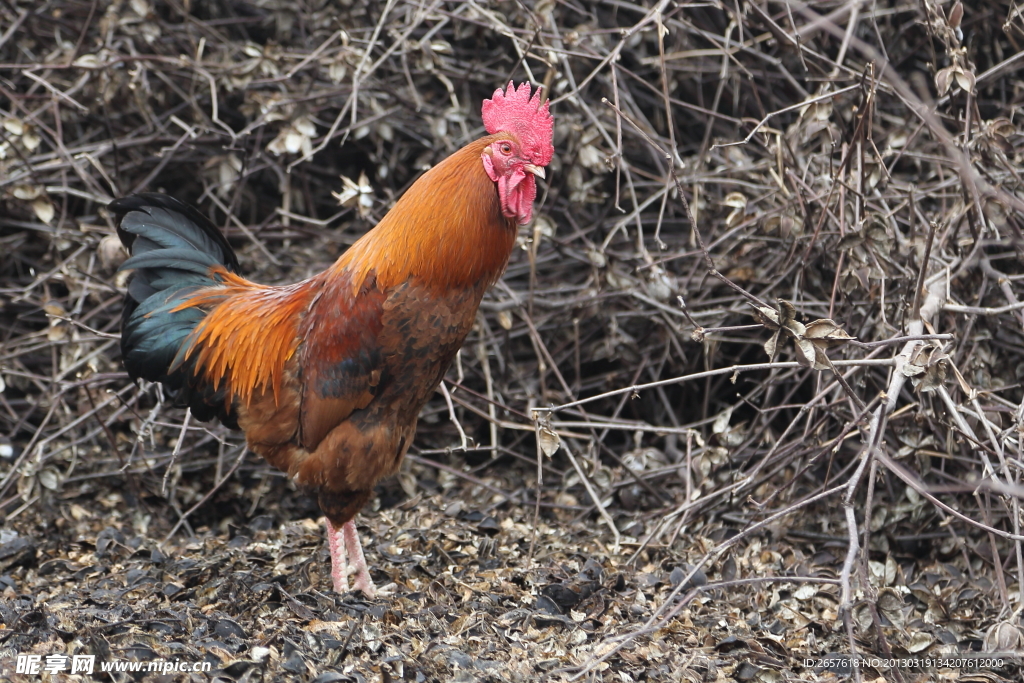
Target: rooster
(327, 377)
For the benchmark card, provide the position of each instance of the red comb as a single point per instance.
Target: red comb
(514, 111)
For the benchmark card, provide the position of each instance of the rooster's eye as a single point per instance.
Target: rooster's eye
(506, 148)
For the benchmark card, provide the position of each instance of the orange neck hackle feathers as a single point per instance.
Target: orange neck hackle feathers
(446, 231)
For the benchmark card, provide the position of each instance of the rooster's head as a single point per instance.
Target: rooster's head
(522, 128)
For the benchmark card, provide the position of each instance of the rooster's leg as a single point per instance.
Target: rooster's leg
(356, 561)
(347, 558)
(335, 543)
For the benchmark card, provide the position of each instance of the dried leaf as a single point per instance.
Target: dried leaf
(965, 79)
(920, 641)
(768, 317)
(890, 605)
(811, 340)
(659, 284)
(56, 332)
(943, 79)
(1001, 126)
(27, 192)
(911, 370)
(54, 308)
(826, 331)
(549, 441)
(544, 226)
(787, 316)
(88, 62)
(294, 138)
(736, 200)
(141, 7)
(733, 437)
(43, 209)
(356, 194)
(805, 592)
(805, 354)
(818, 111)
(1003, 636)
(824, 334)
(927, 368)
(784, 225)
(49, 478)
(721, 423)
(771, 346)
(14, 126)
(597, 258)
(30, 139)
(111, 252)
(877, 236)
(956, 14)
(593, 158)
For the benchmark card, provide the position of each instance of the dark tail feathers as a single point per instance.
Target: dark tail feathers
(172, 249)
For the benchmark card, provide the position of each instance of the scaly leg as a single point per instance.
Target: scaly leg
(347, 558)
(357, 563)
(336, 545)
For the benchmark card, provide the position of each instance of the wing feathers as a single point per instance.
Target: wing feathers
(341, 357)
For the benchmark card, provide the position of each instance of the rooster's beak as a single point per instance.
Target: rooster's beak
(534, 169)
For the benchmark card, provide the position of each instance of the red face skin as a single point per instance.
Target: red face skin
(514, 172)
